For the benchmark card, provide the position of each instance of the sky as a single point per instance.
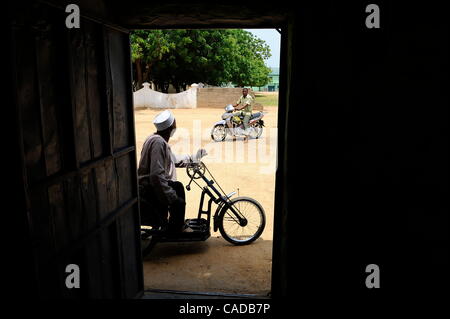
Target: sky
(273, 39)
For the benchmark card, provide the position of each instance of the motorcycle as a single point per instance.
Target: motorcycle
(234, 125)
(240, 220)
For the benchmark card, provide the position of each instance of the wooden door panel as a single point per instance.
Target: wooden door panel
(73, 91)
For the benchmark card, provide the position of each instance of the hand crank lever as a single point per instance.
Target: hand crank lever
(188, 186)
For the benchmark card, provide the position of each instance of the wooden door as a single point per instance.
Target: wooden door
(75, 113)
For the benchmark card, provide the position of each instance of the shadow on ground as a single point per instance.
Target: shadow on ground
(211, 266)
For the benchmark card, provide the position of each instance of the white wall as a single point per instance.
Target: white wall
(149, 98)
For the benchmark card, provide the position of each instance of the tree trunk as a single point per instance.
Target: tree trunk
(145, 76)
(138, 74)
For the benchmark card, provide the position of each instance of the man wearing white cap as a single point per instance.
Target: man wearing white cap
(158, 186)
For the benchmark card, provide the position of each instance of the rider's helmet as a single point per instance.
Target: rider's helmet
(229, 108)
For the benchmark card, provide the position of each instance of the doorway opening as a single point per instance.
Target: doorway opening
(196, 74)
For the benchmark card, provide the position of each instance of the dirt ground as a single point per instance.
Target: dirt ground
(216, 265)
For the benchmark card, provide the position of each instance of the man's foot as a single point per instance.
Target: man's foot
(188, 230)
(234, 138)
(245, 139)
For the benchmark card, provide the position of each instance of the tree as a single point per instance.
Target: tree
(147, 48)
(182, 57)
(247, 61)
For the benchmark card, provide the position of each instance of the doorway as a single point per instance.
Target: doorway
(213, 266)
(77, 152)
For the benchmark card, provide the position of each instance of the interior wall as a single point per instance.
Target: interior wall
(364, 172)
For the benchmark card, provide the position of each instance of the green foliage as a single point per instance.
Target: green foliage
(215, 57)
(266, 99)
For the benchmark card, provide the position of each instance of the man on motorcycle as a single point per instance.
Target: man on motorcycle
(159, 189)
(246, 101)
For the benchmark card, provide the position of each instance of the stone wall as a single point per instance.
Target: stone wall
(220, 97)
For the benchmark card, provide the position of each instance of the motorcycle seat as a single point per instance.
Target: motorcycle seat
(255, 115)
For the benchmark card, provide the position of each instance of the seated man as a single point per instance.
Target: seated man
(159, 189)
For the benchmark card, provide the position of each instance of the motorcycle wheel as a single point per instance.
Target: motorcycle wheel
(237, 234)
(256, 131)
(218, 133)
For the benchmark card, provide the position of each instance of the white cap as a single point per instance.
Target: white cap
(163, 120)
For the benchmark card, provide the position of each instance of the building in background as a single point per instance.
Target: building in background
(274, 82)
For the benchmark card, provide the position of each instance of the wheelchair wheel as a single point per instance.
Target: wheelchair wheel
(255, 221)
(148, 242)
(256, 131)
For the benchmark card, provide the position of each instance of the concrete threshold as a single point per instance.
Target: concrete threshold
(174, 294)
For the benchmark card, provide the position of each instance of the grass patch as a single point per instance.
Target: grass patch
(267, 99)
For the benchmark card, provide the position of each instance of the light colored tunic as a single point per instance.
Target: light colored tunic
(157, 164)
(246, 100)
